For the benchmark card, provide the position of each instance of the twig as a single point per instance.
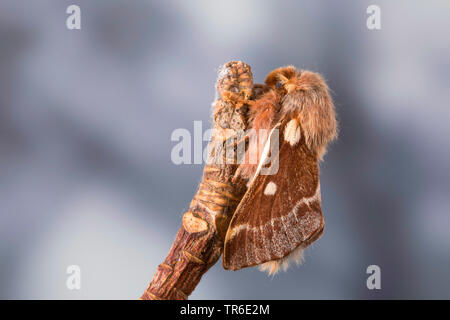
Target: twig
(199, 241)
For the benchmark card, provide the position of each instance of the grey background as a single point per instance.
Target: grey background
(86, 118)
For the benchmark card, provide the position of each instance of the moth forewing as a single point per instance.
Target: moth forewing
(280, 213)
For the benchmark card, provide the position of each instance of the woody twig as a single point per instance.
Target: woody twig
(199, 241)
(270, 224)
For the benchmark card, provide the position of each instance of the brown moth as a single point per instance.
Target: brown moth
(280, 214)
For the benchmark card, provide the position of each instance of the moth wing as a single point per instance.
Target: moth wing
(279, 212)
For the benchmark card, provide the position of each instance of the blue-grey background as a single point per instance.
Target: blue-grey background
(86, 118)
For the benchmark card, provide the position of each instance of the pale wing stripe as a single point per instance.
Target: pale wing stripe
(293, 212)
(264, 153)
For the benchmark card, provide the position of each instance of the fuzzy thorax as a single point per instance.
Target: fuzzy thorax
(305, 96)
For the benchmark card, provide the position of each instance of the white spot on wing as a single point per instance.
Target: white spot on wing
(292, 132)
(271, 188)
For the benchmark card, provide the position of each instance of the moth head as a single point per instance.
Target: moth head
(282, 79)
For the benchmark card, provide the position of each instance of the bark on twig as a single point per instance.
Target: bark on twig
(199, 241)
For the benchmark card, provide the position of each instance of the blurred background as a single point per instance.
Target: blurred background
(86, 118)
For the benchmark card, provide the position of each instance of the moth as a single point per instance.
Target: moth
(280, 214)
